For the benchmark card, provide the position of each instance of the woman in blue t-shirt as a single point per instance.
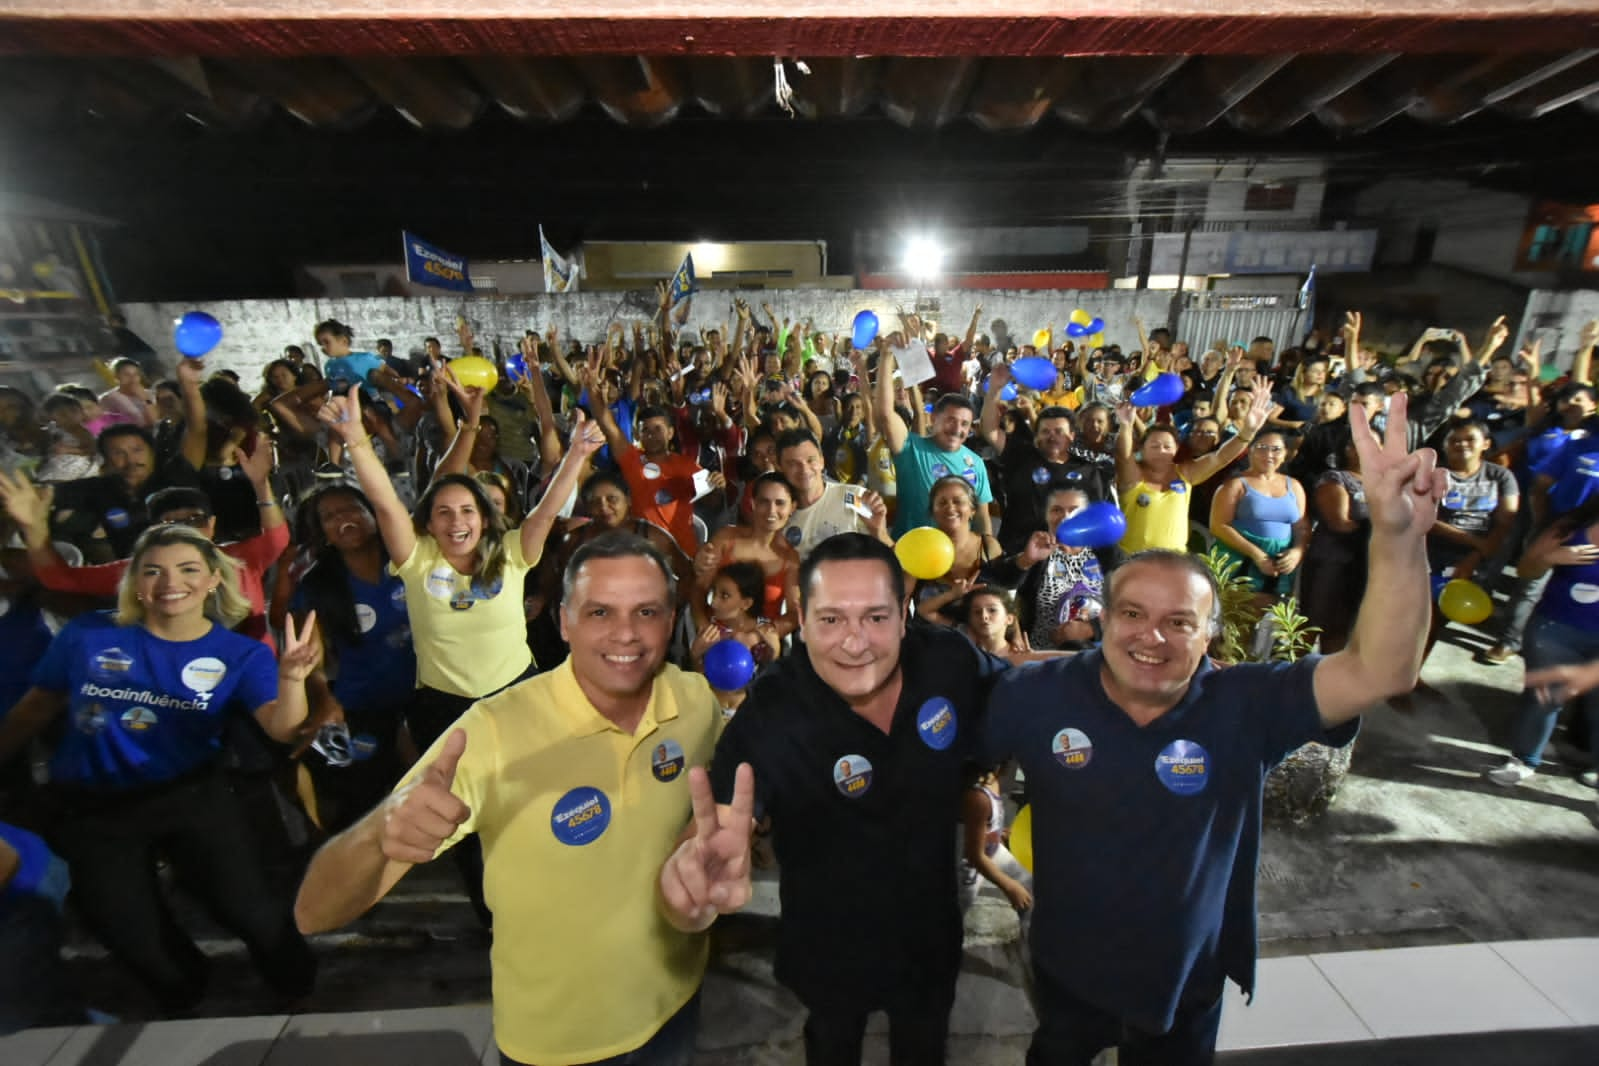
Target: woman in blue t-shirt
(1564, 631)
(367, 633)
(147, 691)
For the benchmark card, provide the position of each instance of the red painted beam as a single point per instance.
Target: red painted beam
(282, 28)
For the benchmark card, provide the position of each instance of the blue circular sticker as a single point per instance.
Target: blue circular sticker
(853, 775)
(666, 762)
(663, 498)
(1072, 748)
(117, 518)
(938, 470)
(363, 746)
(138, 719)
(793, 534)
(1040, 475)
(580, 816)
(110, 664)
(935, 723)
(1183, 767)
(1178, 486)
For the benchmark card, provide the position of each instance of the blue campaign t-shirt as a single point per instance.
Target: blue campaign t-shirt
(919, 464)
(379, 672)
(1146, 838)
(352, 369)
(142, 710)
(1575, 470)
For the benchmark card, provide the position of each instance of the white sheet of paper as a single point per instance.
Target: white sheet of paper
(914, 363)
(702, 484)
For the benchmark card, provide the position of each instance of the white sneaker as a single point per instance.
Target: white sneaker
(1512, 772)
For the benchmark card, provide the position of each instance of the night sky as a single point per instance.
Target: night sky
(210, 215)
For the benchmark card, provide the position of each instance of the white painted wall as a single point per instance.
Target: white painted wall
(1478, 229)
(255, 331)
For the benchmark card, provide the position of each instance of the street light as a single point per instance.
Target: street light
(923, 257)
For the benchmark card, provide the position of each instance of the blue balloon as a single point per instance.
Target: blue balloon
(1008, 393)
(516, 366)
(1099, 525)
(1438, 583)
(196, 333)
(1096, 326)
(729, 665)
(864, 331)
(1074, 329)
(1034, 372)
(1164, 391)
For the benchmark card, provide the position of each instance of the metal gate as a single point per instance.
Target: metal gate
(1235, 319)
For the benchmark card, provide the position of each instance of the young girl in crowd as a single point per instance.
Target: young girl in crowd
(732, 611)
(984, 855)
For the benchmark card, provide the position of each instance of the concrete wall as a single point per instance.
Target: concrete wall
(1476, 229)
(1556, 318)
(255, 331)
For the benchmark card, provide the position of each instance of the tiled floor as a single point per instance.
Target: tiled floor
(1301, 1000)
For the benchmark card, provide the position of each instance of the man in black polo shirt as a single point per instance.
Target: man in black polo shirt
(115, 501)
(857, 741)
(1145, 766)
(1032, 469)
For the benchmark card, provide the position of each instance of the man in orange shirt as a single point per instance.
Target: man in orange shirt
(660, 479)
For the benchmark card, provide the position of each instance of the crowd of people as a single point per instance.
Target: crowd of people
(439, 615)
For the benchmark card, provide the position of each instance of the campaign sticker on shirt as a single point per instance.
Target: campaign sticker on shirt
(365, 617)
(970, 474)
(108, 664)
(793, 535)
(939, 470)
(462, 601)
(666, 763)
(663, 498)
(1143, 500)
(853, 775)
(1178, 486)
(935, 723)
(397, 597)
(1040, 475)
(138, 719)
(1582, 592)
(204, 674)
(441, 583)
(1183, 767)
(580, 816)
(1091, 570)
(651, 471)
(362, 746)
(117, 518)
(1074, 475)
(1072, 748)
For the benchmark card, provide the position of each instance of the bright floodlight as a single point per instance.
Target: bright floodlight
(923, 257)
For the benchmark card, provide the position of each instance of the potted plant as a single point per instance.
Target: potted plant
(1304, 785)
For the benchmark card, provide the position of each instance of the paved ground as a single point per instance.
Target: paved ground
(1417, 850)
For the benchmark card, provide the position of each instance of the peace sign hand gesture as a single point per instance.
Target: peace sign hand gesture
(1403, 488)
(709, 873)
(301, 652)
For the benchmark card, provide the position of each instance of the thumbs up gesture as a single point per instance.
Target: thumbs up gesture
(709, 873)
(424, 814)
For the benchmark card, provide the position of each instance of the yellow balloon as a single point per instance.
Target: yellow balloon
(1465, 602)
(925, 552)
(1081, 317)
(1096, 341)
(1021, 837)
(1041, 339)
(475, 371)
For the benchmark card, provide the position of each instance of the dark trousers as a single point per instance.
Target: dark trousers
(1071, 1032)
(430, 714)
(111, 844)
(918, 1029)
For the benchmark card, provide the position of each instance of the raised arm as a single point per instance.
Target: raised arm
(1582, 361)
(457, 457)
(1208, 466)
(299, 656)
(971, 330)
(1128, 472)
(193, 447)
(586, 440)
(988, 421)
(342, 415)
(1386, 647)
(888, 418)
(602, 411)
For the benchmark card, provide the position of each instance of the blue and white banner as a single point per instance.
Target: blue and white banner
(683, 285)
(428, 264)
(1307, 304)
(560, 274)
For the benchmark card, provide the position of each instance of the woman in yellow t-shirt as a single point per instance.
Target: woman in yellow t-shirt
(1152, 485)
(463, 574)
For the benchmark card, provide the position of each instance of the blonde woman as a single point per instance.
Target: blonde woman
(148, 692)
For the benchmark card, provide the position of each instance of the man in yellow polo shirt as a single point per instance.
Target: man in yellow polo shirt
(577, 781)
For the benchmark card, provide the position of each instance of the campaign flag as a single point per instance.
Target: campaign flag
(560, 274)
(428, 264)
(683, 289)
(1307, 302)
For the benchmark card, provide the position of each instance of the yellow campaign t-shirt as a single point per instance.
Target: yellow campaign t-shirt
(881, 476)
(1157, 516)
(576, 818)
(469, 641)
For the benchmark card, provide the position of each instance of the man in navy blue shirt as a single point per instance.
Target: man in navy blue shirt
(1145, 765)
